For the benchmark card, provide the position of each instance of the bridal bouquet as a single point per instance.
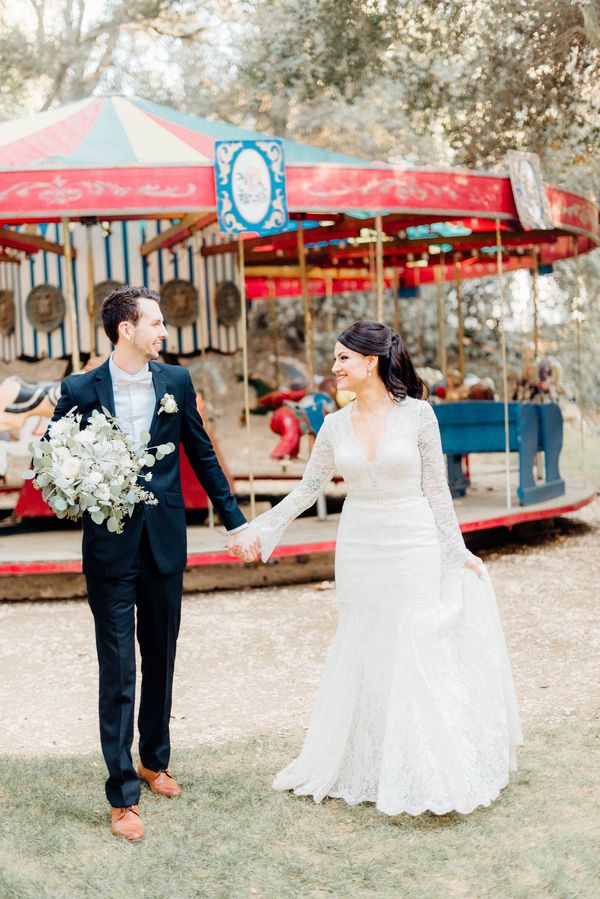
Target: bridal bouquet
(95, 470)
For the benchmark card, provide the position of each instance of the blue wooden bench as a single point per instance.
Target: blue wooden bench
(478, 427)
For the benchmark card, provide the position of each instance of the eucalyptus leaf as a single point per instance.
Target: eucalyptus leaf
(112, 524)
(59, 504)
(97, 517)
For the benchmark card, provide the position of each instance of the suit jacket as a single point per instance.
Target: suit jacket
(110, 555)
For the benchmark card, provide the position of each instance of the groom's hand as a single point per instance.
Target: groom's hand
(245, 545)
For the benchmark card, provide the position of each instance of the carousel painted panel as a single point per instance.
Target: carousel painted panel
(197, 292)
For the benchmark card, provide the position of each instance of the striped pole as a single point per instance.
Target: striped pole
(460, 336)
(70, 296)
(504, 366)
(379, 264)
(244, 323)
(308, 319)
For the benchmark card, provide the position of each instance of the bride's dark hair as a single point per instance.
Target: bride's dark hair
(396, 368)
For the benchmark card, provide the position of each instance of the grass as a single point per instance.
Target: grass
(231, 835)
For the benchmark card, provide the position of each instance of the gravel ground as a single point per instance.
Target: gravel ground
(249, 661)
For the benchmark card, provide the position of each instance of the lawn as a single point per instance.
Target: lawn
(231, 835)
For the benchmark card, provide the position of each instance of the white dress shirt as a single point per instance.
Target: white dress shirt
(135, 401)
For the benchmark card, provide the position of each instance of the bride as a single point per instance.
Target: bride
(416, 708)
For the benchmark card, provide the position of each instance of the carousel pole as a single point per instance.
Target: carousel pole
(419, 314)
(70, 296)
(274, 329)
(499, 267)
(202, 317)
(379, 264)
(196, 257)
(439, 290)
(577, 315)
(460, 336)
(536, 301)
(308, 319)
(329, 297)
(244, 321)
(90, 294)
(396, 293)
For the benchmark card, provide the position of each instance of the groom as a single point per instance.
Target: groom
(142, 567)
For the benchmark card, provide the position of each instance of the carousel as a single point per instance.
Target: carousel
(114, 190)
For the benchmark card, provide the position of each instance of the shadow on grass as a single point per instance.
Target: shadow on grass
(231, 835)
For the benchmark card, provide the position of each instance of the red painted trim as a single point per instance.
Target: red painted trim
(19, 568)
(137, 190)
(504, 521)
(196, 560)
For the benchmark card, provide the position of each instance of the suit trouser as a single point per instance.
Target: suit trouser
(113, 602)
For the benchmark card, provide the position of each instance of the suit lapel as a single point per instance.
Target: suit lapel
(104, 388)
(160, 388)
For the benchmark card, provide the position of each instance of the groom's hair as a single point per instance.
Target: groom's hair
(122, 306)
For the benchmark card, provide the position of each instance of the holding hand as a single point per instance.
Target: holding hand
(245, 545)
(475, 564)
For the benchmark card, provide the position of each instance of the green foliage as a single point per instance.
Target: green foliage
(231, 835)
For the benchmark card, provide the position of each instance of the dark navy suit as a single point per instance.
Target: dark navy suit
(143, 567)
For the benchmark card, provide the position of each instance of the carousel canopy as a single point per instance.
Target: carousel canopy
(121, 157)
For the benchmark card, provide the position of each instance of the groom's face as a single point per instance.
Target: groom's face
(149, 332)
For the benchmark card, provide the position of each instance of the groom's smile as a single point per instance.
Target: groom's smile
(145, 338)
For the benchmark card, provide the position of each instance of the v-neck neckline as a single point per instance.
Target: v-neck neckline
(379, 442)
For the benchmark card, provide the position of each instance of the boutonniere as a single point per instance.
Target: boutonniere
(168, 404)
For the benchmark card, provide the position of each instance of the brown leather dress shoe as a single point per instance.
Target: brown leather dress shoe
(126, 822)
(160, 782)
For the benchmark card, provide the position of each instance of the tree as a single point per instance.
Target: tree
(54, 52)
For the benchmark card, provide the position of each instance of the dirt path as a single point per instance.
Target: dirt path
(249, 662)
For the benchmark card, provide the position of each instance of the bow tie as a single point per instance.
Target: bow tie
(140, 379)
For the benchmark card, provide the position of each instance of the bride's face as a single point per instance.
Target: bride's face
(351, 369)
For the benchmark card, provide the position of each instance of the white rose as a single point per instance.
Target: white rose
(86, 437)
(60, 428)
(102, 493)
(168, 404)
(70, 467)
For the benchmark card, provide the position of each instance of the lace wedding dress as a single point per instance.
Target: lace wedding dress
(416, 707)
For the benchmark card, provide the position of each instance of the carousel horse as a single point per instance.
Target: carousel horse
(293, 419)
(21, 398)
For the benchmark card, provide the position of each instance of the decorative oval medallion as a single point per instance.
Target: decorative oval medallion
(45, 307)
(251, 185)
(227, 302)
(179, 301)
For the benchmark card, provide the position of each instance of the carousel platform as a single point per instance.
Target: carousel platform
(46, 565)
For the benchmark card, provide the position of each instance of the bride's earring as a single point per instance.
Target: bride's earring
(369, 372)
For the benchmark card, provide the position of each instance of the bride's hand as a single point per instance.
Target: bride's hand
(476, 565)
(245, 545)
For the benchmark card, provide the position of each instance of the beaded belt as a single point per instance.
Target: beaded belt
(412, 492)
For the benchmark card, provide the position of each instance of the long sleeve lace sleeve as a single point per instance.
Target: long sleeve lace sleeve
(317, 474)
(437, 492)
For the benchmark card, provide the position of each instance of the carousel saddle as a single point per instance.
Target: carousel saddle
(31, 394)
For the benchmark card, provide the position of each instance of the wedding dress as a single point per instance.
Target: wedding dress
(416, 708)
